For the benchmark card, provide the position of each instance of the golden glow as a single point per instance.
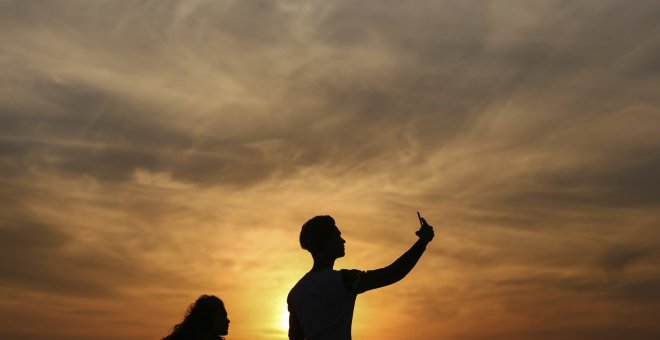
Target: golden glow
(284, 318)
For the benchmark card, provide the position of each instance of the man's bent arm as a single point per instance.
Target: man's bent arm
(394, 272)
(398, 269)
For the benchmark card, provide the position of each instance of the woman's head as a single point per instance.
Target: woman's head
(205, 319)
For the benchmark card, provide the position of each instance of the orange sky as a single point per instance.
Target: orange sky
(154, 151)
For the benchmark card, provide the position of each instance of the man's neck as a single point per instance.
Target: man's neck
(322, 262)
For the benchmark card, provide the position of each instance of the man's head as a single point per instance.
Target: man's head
(320, 236)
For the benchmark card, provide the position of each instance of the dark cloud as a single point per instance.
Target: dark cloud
(618, 259)
(48, 255)
(32, 257)
(30, 237)
(616, 181)
(38, 335)
(633, 288)
(640, 291)
(371, 113)
(580, 333)
(37, 259)
(91, 132)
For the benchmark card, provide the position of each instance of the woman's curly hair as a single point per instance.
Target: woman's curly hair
(198, 323)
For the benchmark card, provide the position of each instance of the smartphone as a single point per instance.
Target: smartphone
(420, 219)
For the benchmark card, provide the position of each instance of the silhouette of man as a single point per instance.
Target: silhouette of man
(321, 303)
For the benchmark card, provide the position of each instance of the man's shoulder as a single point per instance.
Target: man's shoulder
(350, 278)
(325, 279)
(320, 280)
(306, 280)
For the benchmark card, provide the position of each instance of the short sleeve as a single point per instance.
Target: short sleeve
(350, 279)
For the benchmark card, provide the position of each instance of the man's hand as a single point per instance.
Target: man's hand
(425, 232)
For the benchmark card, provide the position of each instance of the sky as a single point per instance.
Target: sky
(154, 151)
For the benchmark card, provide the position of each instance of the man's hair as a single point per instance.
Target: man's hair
(315, 231)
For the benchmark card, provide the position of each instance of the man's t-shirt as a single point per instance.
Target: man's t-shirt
(323, 302)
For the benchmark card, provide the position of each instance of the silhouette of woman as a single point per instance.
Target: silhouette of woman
(206, 319)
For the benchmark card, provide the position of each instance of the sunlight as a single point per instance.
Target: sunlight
(284, 318)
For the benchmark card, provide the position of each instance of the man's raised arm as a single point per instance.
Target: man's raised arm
(401, 267)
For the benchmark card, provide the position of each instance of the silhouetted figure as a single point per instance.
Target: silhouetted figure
(206, 319)
(321, 303)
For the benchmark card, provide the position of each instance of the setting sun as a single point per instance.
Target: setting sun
(284, 319)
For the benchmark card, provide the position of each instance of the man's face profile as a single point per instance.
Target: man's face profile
(334, 244)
